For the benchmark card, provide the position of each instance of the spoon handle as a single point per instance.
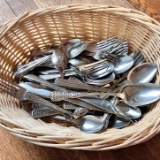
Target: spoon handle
(59, 96)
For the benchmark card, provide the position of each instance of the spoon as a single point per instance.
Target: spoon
(118, 123)
(76, 49)
(132, 112)
(76, 62)
(134, 95)
(123, 65)
(138, 59)
(59, 60)
(142, 73)
(66, 46)
(88, 123)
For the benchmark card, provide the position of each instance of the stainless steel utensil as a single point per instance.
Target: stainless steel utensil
(134, 95)
(88, 123)
(79, 86)
(20, 71)
(21, 93)
(59, 60)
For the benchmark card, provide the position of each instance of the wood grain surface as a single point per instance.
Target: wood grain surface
(49, 3)
(13, 148)
(151, 7)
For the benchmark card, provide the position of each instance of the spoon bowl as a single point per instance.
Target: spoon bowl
(142, 73)
(124, 64)
(132, 112)
(118, 123)
(88, 123)
(141, 94)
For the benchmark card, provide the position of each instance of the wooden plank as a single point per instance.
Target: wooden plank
(13, 148)
(20, 6)
(6, 13)
(151, 7)
(49, 3)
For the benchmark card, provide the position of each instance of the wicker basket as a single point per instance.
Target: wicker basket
(44, 27)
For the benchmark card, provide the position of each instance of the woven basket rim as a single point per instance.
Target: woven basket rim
(131, 14)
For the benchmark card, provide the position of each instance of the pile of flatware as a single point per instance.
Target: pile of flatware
(95, 85)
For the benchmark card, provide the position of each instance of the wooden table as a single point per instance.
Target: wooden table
(12, 148)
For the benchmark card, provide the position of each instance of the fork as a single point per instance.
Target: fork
(21, 93)
(114, 46)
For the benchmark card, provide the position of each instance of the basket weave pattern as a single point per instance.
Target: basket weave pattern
(44, 27)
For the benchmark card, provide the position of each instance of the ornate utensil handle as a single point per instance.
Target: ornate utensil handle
(43, 112)
(37, 99)
(59, 96)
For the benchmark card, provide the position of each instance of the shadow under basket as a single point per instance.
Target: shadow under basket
(44, 27)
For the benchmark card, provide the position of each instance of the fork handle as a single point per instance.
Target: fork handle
(32, 97)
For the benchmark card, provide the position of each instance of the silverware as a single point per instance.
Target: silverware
(77, 49)
(92, 68)
(75, 85)
(21, 93)
(133, 95)
(48, 94)
(125, 63)
(43, 112)
(42, 52)
(20, 71)
(118, 123)
(100, 81)
(88, 123)
(34, 78)
(54, 76)
(59, 60)
(132, 112)
(113, 45)
(142, 73)
(138, 59)
(106, 106)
